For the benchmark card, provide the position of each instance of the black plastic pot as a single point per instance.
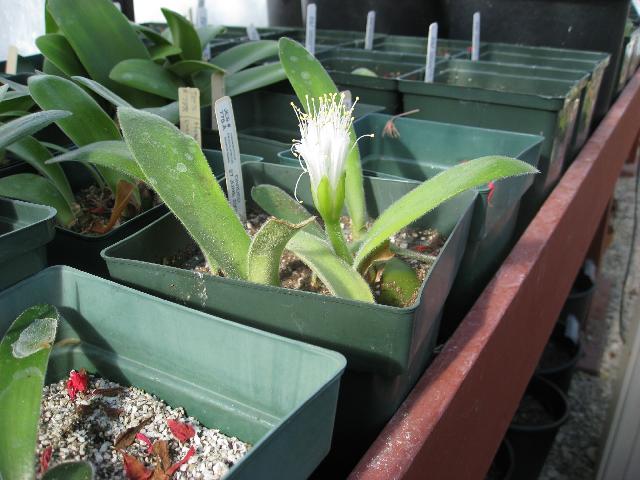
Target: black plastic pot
(532, 439)
(406, 17)
(581, 24)
(579, 300)
(503, 463)
(561, 355)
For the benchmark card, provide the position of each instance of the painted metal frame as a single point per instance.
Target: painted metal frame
(451, 424)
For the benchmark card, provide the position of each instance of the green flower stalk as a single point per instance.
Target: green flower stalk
(322, 150)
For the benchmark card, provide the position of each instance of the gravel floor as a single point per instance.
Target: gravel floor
(576, 451)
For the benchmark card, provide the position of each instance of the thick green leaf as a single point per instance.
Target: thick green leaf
(184, 35)
(29, 124)
(102, 91)
(113, 154)
(55, 148)
(246, 54)
(309, 78)
(208, 33)
(31, 187)
(101, 38)
(36, 154)
(3, 91)
(50, 25)
(88, 122)
(50, 69)
(58, 51)
(179, 173)
(265, 251)
(169, 112)
(13, 114)
(253, 78)
(340, 278)
(280, 204)
(160, 52)
(148, 76)
(70, 471)
(24, 355)
(399, 284)
(435, 191)
(189, 67)
(151, 34)
(17, 86)
(16, 101)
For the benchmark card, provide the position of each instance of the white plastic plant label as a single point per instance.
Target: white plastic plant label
(202, 17)
(475, 38)
(432, 49)
(189, 109)
(252, 33)
(217, 92)
(347, 99)
(231, 155)
(369, 32)
(11, 65)
(310, 36)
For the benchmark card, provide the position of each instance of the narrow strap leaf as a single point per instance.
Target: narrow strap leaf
(267, 245)
(185, 68)
(253, 78)
(28, 125)
(36, 189)
(184, 35)
(341, 279)
(70, 471)
(435, 191)
(280, 204)
(148, 76)
(208, 33)
(58, 51)
(3, 91)
(101, 90)
(246, 54)
(161, 52)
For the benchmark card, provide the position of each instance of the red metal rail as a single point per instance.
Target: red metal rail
(451, 424)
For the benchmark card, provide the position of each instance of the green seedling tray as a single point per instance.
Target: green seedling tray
(266, 123)
(595, 63)
(425, 149)
(387, 348)
(235, 35)
(379, 90)
(82, 251)
(26, 65)
(418, 46)
(464, 94)
(330, 39)
(25, 229)
(278, 394)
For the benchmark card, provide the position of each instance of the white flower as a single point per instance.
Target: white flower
(325, 142)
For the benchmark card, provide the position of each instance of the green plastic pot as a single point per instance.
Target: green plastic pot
(463, 93)
(235, 35)
(25, 229)
(379, 90)
(82, 251)
(595, 63)
(330, 39)
(277, 394)
(425, 149)
(266, 123)
(418, 45)
(387, 348)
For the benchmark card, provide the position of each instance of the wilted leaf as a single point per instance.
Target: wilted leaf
(161, 451)
(181, 430)
(134, 469)
(127, 437)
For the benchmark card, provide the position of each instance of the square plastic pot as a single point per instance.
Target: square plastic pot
(266, 123)
(25, 229)
(463, 93)
(447, 48)
(330, 39)
(82, 251)
(381, 89)
(594, 63)
(387, 348)
(277, 394)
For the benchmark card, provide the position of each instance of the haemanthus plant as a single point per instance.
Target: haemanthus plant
(154, 151)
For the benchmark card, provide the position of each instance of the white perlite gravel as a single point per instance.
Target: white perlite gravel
(576, 451)
(78, 431)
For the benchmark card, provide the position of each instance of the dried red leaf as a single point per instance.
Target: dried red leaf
(134, 469)
(127, 437)
(161, 452)
(421, 248)
(180, 430)
(45, 458)
(143, 438)
(78, 382)
(177, 465)
(492, 189)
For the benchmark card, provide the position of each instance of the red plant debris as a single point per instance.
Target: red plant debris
(134, 469)
(492, 189)
(174, 468)
(181, 431)
(45, 458)
(78, 381)
(143, 438)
